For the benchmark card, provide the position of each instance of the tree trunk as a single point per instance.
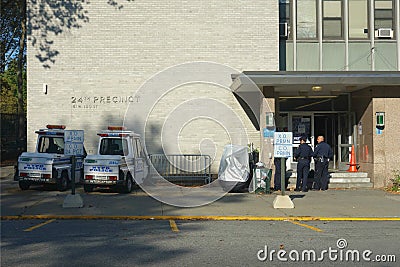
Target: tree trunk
(20, 73)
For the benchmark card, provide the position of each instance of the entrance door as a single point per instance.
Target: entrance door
(345, 139)
(300, 124)
(313, 124)
(326, 125)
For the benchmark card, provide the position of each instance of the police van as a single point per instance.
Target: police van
(48, 164)
(120, 161)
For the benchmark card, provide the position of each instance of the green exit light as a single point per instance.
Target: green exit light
(380, 119)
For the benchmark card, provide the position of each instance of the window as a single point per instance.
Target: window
(284, 18)
(384, 14)
(307, 19)
(113, 146)
(139, 149)
(332, 19)
(51, 145)
(358, 19)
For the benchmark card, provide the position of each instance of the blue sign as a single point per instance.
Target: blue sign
(268, 133)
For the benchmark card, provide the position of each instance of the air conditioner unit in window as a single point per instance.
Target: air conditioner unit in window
(384, 33)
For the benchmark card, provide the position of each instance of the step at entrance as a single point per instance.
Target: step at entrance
(341, 179)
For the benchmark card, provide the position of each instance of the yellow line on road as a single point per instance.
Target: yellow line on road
(174, 228)
(195, 218)
(307, 226)
(39, 225)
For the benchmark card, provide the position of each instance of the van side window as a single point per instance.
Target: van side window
(139, 148)
(135, 151)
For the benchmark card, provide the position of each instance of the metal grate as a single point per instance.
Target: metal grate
(182, 169)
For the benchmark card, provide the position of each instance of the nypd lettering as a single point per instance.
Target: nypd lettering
(100, 169)
(40, 167)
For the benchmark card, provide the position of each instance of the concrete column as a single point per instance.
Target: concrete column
(266, 143)
(319, 33)
(372, 32)
(346, 33)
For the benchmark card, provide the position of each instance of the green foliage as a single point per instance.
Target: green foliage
(395, 181)
(12, 15)
(9, 89)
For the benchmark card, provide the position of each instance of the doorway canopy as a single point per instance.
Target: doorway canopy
(304, 85)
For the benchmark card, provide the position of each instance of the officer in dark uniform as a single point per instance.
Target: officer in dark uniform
(303, 156)
(322, 154)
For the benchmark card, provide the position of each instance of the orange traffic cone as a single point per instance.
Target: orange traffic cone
(353, 165)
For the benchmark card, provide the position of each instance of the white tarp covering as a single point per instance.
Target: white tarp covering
(234, 165)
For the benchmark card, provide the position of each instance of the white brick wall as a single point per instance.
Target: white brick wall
(106, 60)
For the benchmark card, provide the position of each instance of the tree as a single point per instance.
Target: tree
(10, 31)
(13, 47)
(9, 88)
(46, 19)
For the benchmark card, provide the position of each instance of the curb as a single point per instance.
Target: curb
(194, 218)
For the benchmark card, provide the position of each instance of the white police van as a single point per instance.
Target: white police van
(120, 161)
(48, 164)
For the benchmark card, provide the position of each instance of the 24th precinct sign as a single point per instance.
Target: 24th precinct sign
(283, 144)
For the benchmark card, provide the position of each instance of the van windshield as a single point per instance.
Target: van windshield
(114, 146)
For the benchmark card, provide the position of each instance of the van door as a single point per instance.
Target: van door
(141, 167)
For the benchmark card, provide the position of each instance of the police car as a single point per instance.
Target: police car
(48, 164)
(120, 161)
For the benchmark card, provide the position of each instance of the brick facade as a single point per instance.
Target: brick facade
(99, 66)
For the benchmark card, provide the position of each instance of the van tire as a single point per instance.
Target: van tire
(88, 188)
(24, 185)
(128, 184)
(62, 182)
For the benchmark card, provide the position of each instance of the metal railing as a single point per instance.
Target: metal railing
(182, 169)
(343, 154)
(11, 143)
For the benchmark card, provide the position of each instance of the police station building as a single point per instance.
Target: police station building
(313, 67)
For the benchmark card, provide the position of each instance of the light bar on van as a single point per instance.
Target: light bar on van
(116, 128)
(112, 135)
(53, 126)
(44, 132)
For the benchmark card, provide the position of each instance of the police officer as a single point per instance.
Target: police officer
(322, 154)
(303, 156)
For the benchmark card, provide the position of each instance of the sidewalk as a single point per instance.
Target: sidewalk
(345, 204)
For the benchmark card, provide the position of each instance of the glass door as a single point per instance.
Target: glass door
(300, 124)
(345, 139)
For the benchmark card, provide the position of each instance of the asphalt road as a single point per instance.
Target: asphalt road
(195, 243)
